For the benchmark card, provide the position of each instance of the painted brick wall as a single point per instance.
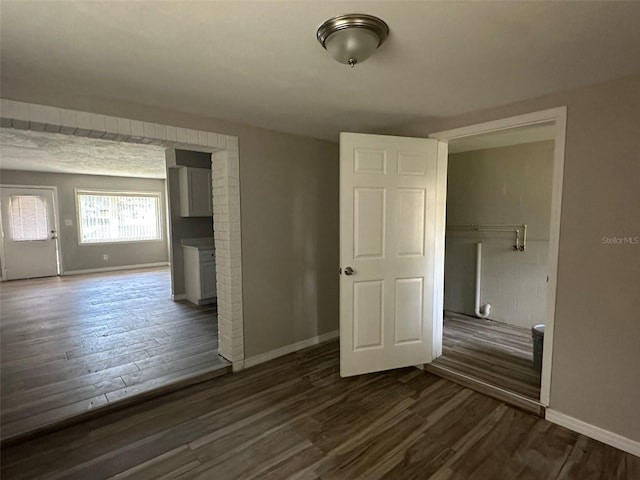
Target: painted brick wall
(498, 186)
(226, 219)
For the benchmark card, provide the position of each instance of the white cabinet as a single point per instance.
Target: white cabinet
(199, 275)
(195, 192)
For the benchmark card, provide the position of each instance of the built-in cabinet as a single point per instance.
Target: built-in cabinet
(199, 274)
(195, 192)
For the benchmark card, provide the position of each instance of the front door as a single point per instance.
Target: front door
(392, 210)
(28, 232)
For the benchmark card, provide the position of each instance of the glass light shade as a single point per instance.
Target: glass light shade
(352, 45)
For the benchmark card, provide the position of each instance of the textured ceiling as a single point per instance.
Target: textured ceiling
(259, 62)
(55, 152)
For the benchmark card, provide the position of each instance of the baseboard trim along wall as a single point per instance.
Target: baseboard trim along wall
(605, 436)
(294, 347)
(180, 296)
(113, 269)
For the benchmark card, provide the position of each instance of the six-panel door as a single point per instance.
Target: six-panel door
(388, 232)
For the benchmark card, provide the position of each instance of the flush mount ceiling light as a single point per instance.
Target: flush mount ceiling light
(352, 38)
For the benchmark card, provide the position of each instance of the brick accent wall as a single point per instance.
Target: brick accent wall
(226, 220)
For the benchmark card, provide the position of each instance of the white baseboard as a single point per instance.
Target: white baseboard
(113, 269)
(180, 296)
(605, 436)
(294, 347)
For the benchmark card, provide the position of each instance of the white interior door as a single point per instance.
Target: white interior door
(392, 224)
(28, 232)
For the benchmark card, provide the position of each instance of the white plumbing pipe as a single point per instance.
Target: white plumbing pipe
(480, 312)
(477, 227)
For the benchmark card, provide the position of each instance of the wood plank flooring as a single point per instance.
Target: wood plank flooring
(493, 352)
(294, 418)
(70, 345)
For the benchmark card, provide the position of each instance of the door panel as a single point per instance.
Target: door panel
(409, 310)
(29, 232)
(208, 279)
(392, 237)
(369, 222)
(412, 163)
(368, 314)
(370, 162)
(411, 213)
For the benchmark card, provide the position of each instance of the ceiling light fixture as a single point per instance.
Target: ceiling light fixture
(352, 38)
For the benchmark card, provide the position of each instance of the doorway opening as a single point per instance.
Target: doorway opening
(158, 356)
(503, 216)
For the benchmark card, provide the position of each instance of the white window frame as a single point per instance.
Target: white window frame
(115, 193)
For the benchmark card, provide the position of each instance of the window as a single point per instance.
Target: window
(28, 218)
(107, 217)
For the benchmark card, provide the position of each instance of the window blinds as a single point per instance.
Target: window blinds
(28, 218)
(107, 217)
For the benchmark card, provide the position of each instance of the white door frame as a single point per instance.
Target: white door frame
(226, 191)
(56, 222)
(559, 116)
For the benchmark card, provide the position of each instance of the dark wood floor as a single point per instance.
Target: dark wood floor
(493, 352)
(74, 344)
(295, 418)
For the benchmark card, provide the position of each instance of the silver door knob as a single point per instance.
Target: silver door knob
(348, 271)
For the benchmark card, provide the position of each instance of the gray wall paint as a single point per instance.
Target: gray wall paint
(183, 227)
(289, 205)
(85, 257)
(594, 371)
(289, 187)
(594, 376)
(500, 185)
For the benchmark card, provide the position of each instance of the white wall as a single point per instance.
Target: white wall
(498, 186)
